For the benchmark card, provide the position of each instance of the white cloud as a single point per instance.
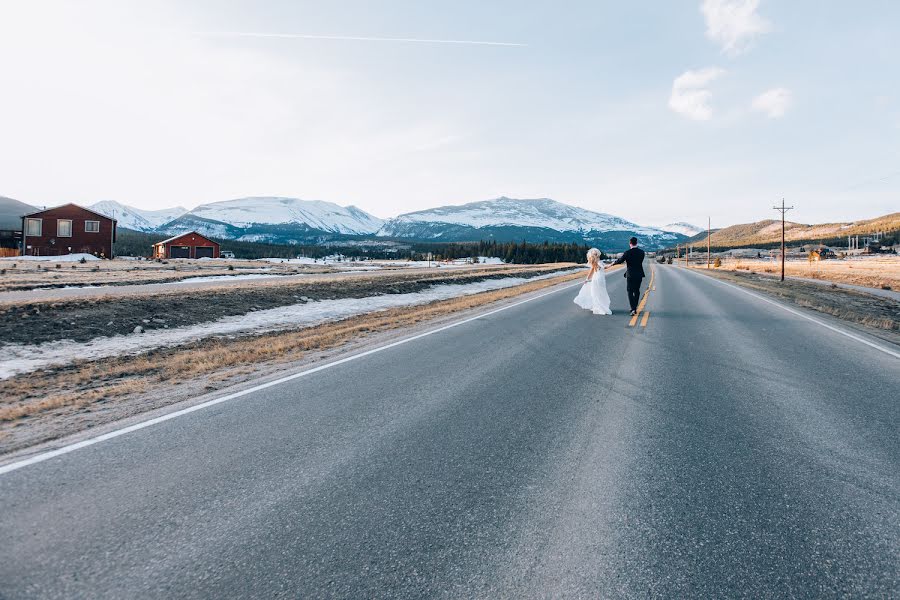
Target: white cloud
(733, 23)
(774, 103)
(690, 98)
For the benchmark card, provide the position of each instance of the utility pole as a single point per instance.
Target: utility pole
(708, 234)
(782, 209)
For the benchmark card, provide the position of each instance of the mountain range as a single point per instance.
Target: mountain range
(515, 219)
(293, 221)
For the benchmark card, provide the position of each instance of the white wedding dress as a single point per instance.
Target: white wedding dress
(593, 295)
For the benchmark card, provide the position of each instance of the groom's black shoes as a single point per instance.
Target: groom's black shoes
(634, 312)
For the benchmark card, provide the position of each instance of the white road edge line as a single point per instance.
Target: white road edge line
(807, 317)
(180, 413)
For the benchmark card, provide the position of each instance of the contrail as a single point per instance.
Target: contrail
(300, 36)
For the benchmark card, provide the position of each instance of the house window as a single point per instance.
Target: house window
(92, 226)
(64, 228)
(33, 227)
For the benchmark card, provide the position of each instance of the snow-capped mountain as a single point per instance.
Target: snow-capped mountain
(255, 219)
(683, 228)
(515, 219)
(136, 218)
(281, 220)
(316, 214)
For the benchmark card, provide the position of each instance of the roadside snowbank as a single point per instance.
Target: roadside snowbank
(231, 277)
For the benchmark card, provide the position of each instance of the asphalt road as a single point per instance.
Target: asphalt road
(728, 448)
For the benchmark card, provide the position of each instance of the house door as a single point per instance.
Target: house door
(179, 251)
(203, 252)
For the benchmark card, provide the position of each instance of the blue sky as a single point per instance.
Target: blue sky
(654, 111)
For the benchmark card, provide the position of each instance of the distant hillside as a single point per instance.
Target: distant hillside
(11, 212)
(768, 232)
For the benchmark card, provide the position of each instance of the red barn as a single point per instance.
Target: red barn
(68, 229)
(186, 245)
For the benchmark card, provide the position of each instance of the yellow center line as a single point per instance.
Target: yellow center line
(643, 303)
(644, 320)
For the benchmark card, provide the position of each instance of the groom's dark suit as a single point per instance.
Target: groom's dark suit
(634, 273)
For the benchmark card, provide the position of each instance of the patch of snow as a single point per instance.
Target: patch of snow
(24, 359)
(63, 258)
(228, 278)
(71, 287)
(292, 261)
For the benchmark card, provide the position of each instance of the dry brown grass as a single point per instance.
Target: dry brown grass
(874, 272)
(121, 383)
(70, 399)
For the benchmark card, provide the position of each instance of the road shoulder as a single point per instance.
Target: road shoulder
(873, 316)
(66, 425)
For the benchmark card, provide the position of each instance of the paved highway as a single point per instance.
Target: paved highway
(727, 448)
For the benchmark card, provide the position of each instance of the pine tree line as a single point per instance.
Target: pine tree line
(512, 252)
(133, 243)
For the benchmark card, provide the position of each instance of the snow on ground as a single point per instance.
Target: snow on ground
(24, 359)
(63, 258)
(373, 264)
(229, 278)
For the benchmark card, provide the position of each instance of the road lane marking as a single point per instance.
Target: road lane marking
(185, 411)
(644, 320)
(643, 303)
(807, 317)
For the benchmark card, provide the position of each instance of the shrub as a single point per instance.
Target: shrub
(82, 260)
(718, 263)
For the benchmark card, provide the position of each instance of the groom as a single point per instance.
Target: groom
(634, 272)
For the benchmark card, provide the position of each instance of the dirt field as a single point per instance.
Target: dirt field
(51, 403)
(26, 275)
(82, 320)
(875, 272)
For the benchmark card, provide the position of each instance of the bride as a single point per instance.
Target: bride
(593, 294)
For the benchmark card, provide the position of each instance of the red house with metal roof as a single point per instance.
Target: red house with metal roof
(186, 245)
(68, 229)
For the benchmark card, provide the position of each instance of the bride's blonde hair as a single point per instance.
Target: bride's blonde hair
(593, 256)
